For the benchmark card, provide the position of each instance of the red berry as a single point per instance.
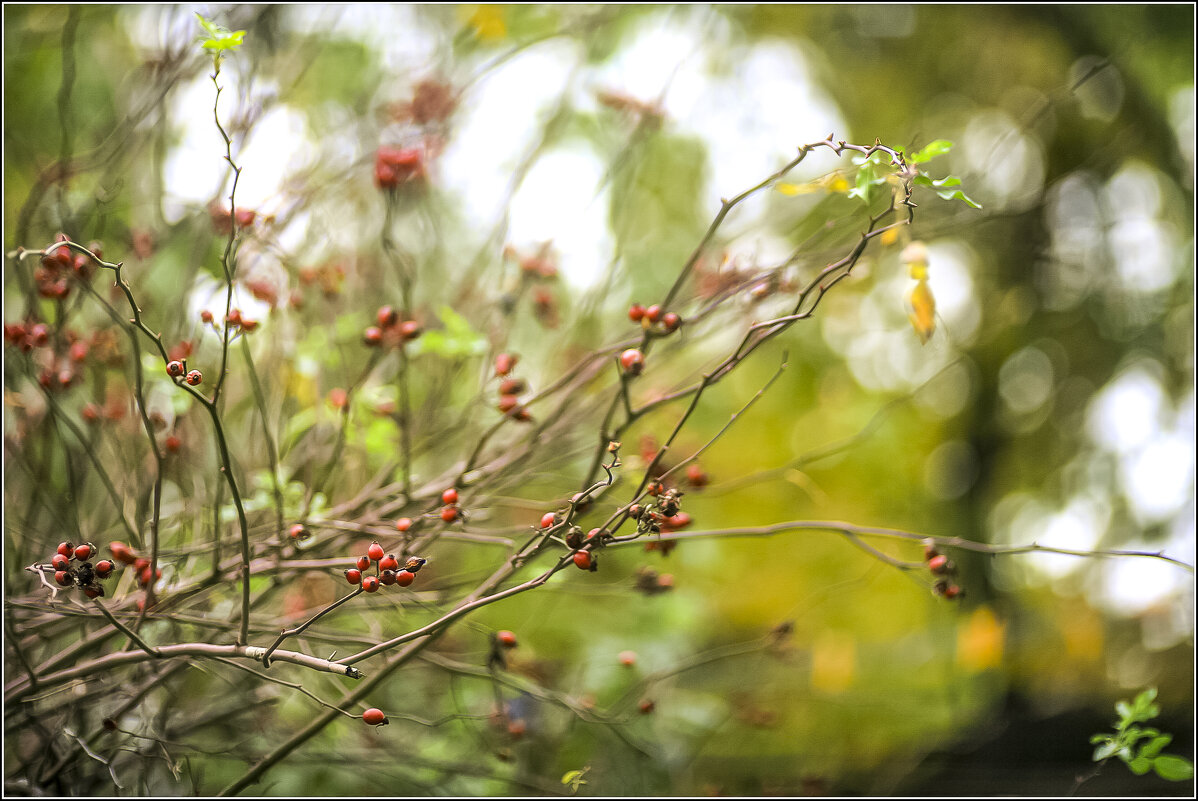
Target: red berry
(695, 475)
(60, 562)
(628, 658)
(449, 514)
(387, 577)
(636, 312)
(929, 548)
(676, 521)
(653, 313)
(645, 706)
(548, 519)
(233, 317)
(952, 591)
(370, 583)
(403, 524)
(363, 563)
(353, 576)
(122, 552)
(195, 377)
(506, 638)
(91, 413)
(389, 562)
(93, 591)
(375, 551)
(83, 552)
(374, 717)
(244, 217)
(409, 329)
(450, 496)
(206, 316)
(507, 403)
(504, 363)
(298, 532)
(140, 563)
(66, 549)
(173, 443)
(633, 361)
(670, 321)
(373, 337)
(938, 563)
(387, 316)
(63, 578)
(404, 577)
(78, 351)
(583, 560)
(512, 386)
(174, 369)
(338, 397)
(104, 568)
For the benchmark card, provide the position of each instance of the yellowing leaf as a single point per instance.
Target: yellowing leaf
(980, 641)
(488, 22)
(837, 183)
(889, 236)
(795, 189)
(923, 310)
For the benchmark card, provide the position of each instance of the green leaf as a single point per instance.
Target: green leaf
(961, 196)
(1140, 765)
(1145, 699)
(570, 776)
(931, 151)
(1124, 711)
(1105, 751)
(938, 186)
(1100, 738)
(1173, 768)
(219, 38)
(1156, 745)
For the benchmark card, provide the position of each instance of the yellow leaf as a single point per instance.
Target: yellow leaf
(980, 641)
(890, 236)
(488, 22)
(795, 189)
(837, 183)
(923, 310)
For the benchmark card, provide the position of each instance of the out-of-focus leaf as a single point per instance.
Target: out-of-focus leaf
(931, 151)
(1157, 745)
(1173, 768)
(923, 310)
(938, 186)
(1140, 765)
(1105, 751)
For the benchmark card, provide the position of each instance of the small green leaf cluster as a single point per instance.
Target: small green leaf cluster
(1140, 747)
(219, 39)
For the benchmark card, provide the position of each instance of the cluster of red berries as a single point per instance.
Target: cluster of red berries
(178, 369)
(450, 511)
(387, 569)
(398, 165)
(222, 220)
(943, 567)
(586, 558)
(234, 319)
(534, 266)
(60, 368)
(73, 567)
(663, 514)
(510, 389)
(60, 264)
(127, 556)
(652, 316)
(390, 331)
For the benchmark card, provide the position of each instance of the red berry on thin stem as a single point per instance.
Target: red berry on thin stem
(372, 337)
(670, 321)
(403, 524)
(353, 576)
(583, 560)
(83, 552)
(389, 562)
(194, 378)
(66, 549)
(653, 313)
(60, 562)
(387, 577)
(404, 577)
(636, 312)
(450, 496)
(504, 363)
(174, 369)
(104, 568)
(63, 578)
(363, 563)
(374, 717)
(633, 361)
(122, 552)
(370, 583)
(548, 519)
(449, 514)
(506, 638)
(387, 316)
(375, 551)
